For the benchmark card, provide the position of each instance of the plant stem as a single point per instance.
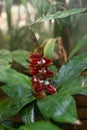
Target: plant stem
(27, 116)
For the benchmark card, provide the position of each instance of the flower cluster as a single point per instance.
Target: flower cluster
(40, 74)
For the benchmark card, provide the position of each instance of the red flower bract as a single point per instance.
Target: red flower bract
(38, 68)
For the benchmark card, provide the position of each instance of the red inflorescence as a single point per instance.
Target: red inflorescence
(38, 68)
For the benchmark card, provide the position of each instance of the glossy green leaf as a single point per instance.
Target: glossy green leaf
(18, 87)
(59, 107)
(75, 86)
(70, 70)
(49, 48)
(5, 55)
(20, 56)
(12, 77)
(61, 14)
(17, 106)
(40, 125)
(79, 45)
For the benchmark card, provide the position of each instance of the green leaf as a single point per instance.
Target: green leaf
(2, 128)
(18, 87)
(5, 55)
(4, 105)
(49, 48)
(5, 59)
(79, 45)
(4, 64)
(59, 107)
(20, 56)
(40, 125)
(16, 107)
(75, 86)
(70, 70)
(12, 77)
(61, 14)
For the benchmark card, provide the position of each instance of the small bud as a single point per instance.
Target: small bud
(39, 62)
(34, 79)
(46, 83)
(43, 61)
(41, 81)
(40, 71)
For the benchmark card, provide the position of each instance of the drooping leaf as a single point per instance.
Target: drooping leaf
(79, 45)
(12, 77)
(4, 64)
(5, 59)
(70, 70)
(20, 56)
(49, 48)
(18, 87)
(61, 14)
(16, 107)
(40, 125)
(75, 86)
(5, 55)
(59, 107)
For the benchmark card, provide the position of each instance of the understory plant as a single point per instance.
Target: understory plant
(39, 92)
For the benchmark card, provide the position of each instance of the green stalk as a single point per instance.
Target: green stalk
(8, 11)
(27, 116)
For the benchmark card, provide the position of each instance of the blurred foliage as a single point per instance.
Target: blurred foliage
(16, 82)
(23, 38)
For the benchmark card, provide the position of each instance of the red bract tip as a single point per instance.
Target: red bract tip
(47, 73)
(46, 62)
(50, 89)
(35, 61)
(37, 87)
(34, 71)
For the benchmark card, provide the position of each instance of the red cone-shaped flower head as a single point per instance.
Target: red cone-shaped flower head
(38, 68)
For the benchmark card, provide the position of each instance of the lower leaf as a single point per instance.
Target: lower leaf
(59, 107)
(40, 125)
